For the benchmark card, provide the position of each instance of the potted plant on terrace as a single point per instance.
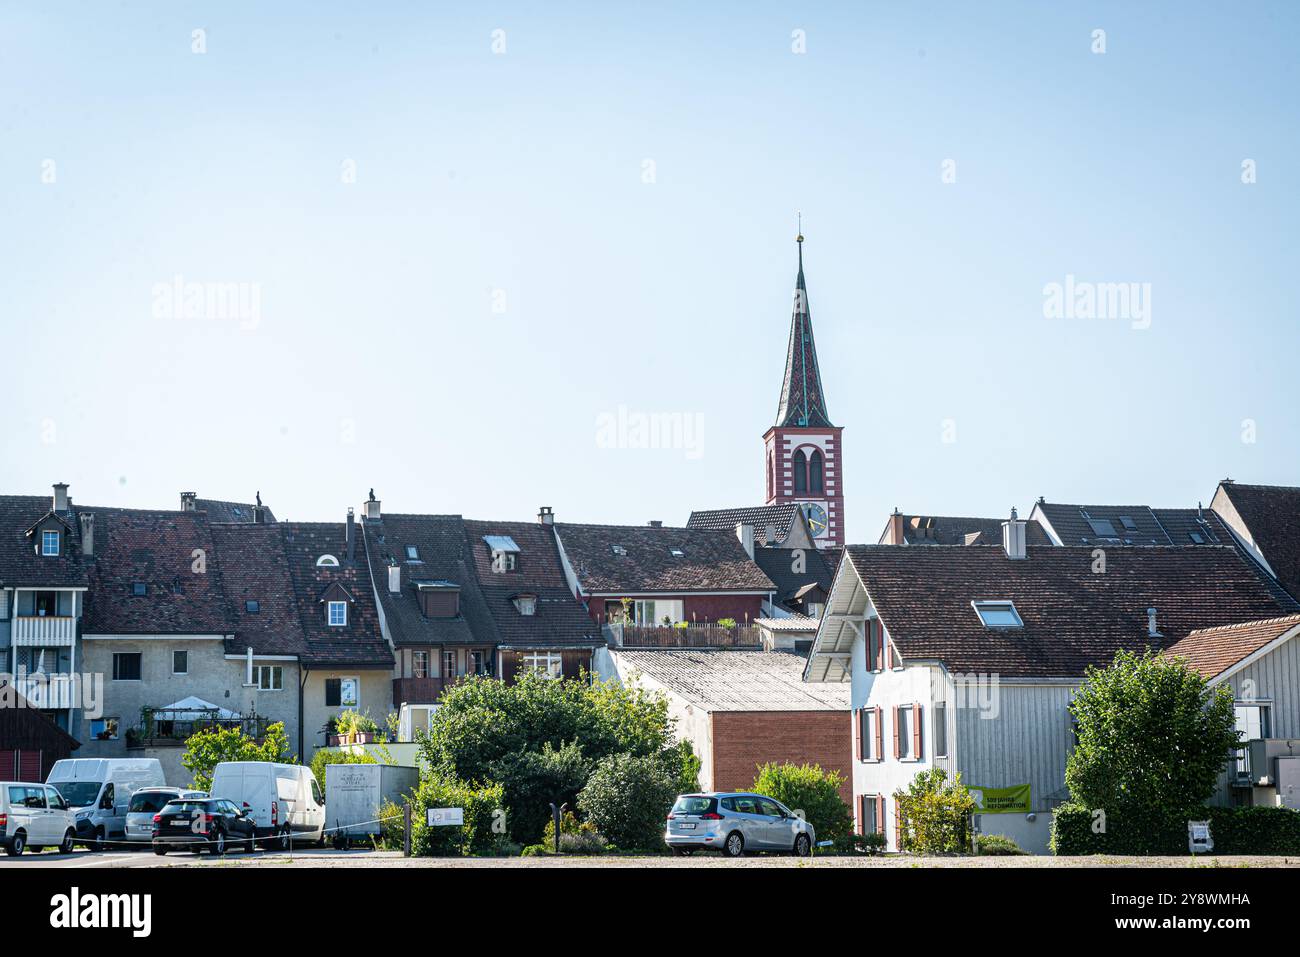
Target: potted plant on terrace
(365, 728)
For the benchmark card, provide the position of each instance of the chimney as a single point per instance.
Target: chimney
(372, 508)
(189, 501)
(545, 516)
(1013, 536)
(1152, 630)
(769, 535)
(746, 535)
(259, 517)
(655, 523)
(395, 578)
(87, 520)
(350, 537)
(60, 496)
(896, 527)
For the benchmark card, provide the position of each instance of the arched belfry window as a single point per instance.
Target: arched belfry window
(815, 470)
(800, 472)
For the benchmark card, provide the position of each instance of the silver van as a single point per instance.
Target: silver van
(34, 816)
(147, 802)
(735, 823)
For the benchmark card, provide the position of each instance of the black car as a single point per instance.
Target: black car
(196, 823)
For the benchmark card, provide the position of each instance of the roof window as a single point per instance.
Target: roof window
(998, 614)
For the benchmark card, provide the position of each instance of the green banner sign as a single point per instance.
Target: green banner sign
(1012, 800)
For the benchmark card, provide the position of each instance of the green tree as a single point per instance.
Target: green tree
(809, 789)
(934, 815)
(628, 798)
(531, 781)
(1151, 734)
(204, 750)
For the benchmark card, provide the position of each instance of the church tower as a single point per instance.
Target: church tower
(804, 454)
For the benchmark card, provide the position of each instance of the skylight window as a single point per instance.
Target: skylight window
(1196, 538)
(1102, 527)
(677, 553)
(252, 606)
(412, 553)
(618, 550)
(139, 589)
(1128, 523)
(998, 614)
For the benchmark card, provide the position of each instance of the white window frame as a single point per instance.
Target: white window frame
(526, 605)
(327, 561)
(997, 605)
(268, 677)
(186, 653)
(549, 663)
(905, 741)
(329, 614)
(47, 535)
(939, 715)
(344, 701)
(416, 657)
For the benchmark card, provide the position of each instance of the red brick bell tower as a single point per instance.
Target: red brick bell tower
(804, 457)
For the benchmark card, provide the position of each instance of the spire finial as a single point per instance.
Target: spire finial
(799, 237)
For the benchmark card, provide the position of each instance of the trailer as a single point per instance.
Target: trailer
(354, 794)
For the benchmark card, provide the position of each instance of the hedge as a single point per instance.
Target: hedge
(1234, 830)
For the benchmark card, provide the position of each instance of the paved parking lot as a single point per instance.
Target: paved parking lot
(318, 857)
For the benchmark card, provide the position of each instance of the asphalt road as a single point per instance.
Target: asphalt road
(318, 857)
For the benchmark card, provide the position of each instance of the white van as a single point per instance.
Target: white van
(99, 792)
(35, 816)
(284, 800)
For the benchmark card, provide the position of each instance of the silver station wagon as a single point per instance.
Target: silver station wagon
(736, 822)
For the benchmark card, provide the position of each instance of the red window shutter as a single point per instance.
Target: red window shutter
(897, 741)
(880, 814)
(916, 732)
(880, 644)
(879, 753)
(857, 733)
(862, 815)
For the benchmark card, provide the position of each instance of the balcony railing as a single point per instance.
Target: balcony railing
(416, 691)
(52, 692)
(49, 630)
(690, 636)
(172, 726)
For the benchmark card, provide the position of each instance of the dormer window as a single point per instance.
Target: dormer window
(525, 604)
(139, 589)
(50, 543)
(327, 561)
(618, 550)
(338, 614)
(438, 599)
(504, 552)
(998, 614)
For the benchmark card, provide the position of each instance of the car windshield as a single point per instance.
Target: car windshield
(693, 804)
(149, 802)
(78, 793)
(188, 807)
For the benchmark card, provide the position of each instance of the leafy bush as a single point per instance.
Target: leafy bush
(628, 798)
(809, 789)
(872, 844)
(933, 815)
(533, 780)
(997, 845)
(727, 623)
(576, 837)
(1151, 734)
(204, 750)
(484, 827)
(322, 758)
(1234, 830)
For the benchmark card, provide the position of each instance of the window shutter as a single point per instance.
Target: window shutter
(916, 732)
(880, 644)
(879, 753)
(897, 743)
(857, 733)
(862, 815)
(880, 814)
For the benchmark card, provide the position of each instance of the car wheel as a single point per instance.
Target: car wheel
(69, 842)
(17, 844)
(283, 840)
(250, 845)
(802, 846)
(160, 850)
(735, 846)
(218, 844)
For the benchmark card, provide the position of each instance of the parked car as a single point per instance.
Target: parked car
(147, 802)
(735, 823)
(99, 792)
(284, 799)
(198, 823)
(35, 816)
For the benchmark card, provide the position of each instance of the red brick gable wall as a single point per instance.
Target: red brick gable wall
(743, 740)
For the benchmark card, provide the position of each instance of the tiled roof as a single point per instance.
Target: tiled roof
(19, 564)
(779, 564)
(1271, 514)
(231, 513)
(183, 590)
(727, 680)
(558, 618)
(254, 567)
(1211, 651)
(954, 530)
(1073, 616)
(360, 642)
(801, 623)
(709, 560)
(442, 555)
(1132, 525)
(761, 517)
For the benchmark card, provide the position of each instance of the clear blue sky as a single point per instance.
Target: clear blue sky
(378, 360)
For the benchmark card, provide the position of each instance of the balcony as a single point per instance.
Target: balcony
(173, 727)
(686, 636)
(416, 691)
(50, 631)
(47, 692)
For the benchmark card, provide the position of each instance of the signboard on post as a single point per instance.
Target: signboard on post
(1013, 800)
(445, 816)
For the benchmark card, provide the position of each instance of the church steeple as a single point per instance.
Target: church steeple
(803, 403)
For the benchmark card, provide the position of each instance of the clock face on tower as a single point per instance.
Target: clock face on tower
(816, 516)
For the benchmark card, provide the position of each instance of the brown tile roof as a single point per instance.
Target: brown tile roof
(1106, 524)
(1211, 651)
(955, 530)
(231, 513)
(1271, 514)
(710, 560)
(559, 618)
(19, 564)
(254, 567)
(779, 563)
(1072, 616)
(727, 680)
(780, 517)
(183, 592)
